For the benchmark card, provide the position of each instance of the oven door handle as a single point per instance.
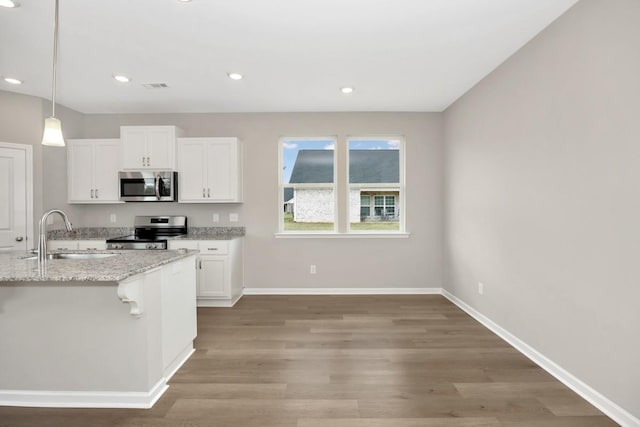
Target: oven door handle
(157, 186)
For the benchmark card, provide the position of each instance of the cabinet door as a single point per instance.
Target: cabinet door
(80, 171)
(134, 147)
(213, 277)
(222, 170)
(105, 173)
(161, 147)
(191, 171)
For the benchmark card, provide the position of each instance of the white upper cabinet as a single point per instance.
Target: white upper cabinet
(209, 170)
(92, 170)
(149, 147)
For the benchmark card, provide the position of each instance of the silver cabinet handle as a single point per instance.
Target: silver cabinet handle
(143, 161)
(212, 249)
(203, 194)
(19, 239)
(96, 193)
(92, 194)
(148, 161)
(209, 192)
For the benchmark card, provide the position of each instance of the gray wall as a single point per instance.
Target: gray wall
(22, 122)
(543, 196)
(270, 262)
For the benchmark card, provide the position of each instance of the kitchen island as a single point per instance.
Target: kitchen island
(98, 332)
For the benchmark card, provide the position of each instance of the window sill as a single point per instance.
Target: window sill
(359, 235)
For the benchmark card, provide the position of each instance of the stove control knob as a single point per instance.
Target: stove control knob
(151, 245)
(117, 246)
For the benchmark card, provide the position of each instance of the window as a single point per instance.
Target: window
(375, 184)
(371, 200)
(307, 179)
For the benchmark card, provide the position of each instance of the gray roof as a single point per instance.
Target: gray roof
(366, 166)
(288, 194)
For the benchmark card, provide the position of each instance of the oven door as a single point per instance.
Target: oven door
(148, 186)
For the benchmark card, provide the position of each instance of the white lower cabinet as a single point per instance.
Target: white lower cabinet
(212, 272)
(219, 270)
(74, 245)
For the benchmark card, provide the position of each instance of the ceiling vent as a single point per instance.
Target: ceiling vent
(155, 85)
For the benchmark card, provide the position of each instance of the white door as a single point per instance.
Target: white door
(134, 147)
(191, 170)
(212, 277)
(105, 170)
(161, 146)
(80, 171)
(222, 170)
(14, 207)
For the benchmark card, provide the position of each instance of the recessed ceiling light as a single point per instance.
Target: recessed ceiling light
(121, 78)
(9, 3)
(184, 1)
(346, 90)
(13, 81)
(235, 76)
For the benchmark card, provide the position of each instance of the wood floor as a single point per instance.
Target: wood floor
(344, 361)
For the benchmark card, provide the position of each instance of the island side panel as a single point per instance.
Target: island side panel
(77, 336)
(179, 322)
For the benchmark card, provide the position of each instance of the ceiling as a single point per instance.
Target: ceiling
(398, 55)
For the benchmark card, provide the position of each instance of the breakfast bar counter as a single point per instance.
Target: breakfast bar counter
(115, 266)
(106, 331)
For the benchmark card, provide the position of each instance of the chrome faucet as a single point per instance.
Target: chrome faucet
(42, 230)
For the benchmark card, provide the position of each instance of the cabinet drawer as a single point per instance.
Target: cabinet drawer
(183, 244)
(213, 247)
(65, 245)
(98, 245)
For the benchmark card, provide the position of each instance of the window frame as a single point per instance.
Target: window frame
(342, 188)
(282, 185)
(372, 187)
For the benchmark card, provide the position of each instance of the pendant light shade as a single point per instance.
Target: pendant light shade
(52, 126)
(53, 133)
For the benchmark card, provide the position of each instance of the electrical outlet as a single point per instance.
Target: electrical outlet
(480, 288)
(112, 218)
(233, 217)
(216, 217)
(312, 269)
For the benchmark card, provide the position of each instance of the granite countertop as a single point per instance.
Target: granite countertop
(90, 233)
(104, 233)
(15, 268)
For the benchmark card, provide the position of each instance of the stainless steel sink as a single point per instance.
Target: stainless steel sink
(76, 256)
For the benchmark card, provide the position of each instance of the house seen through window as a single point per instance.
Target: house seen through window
(309, 185)
(374, 184)
(373, 196)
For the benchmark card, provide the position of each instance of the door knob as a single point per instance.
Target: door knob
(19, 239)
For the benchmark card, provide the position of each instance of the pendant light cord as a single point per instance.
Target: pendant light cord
(55, 60)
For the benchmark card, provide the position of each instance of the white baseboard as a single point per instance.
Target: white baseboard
(342, 291)
(615, 412)
(83, 399)
(204, 302)
(173, 367)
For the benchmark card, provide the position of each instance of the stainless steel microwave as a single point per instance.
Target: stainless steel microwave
(148, 186)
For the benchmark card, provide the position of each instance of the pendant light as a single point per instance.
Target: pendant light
(52, 126)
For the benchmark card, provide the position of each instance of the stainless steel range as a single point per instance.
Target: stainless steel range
(151, 232)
